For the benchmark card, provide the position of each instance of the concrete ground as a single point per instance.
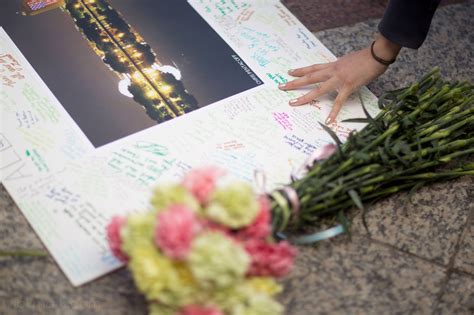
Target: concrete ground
(417, 259)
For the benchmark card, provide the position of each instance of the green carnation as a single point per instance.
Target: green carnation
(249, 297)
(160, 309)
(216, 261)
(264, 285)
(259, 304)
(234, 206)
(167, 195)
(158, 277)
(151, 271)
(138, 230)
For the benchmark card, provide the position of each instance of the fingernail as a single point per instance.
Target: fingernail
(293, 102)
(282, 86)
(291, 71)
(328, 121)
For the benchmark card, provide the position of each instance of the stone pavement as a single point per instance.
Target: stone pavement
(418, 257)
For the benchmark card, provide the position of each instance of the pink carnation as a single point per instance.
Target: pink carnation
(175, 231)
(199, 310)
(261, 227)
(202, 182)
(274, 260)
(114, 238)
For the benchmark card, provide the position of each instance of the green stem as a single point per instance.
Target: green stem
(23, 253)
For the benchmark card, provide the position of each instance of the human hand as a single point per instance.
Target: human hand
(346, 75)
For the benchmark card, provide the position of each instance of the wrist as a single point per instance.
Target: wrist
(385, 48)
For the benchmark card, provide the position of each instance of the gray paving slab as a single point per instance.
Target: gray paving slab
(361, 277)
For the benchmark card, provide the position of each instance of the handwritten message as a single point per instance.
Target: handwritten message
(10, 70)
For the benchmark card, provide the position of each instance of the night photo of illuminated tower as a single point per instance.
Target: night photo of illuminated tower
(162, 94)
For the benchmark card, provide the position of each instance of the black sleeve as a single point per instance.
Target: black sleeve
(406, 22)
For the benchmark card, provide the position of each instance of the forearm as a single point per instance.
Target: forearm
(406, 22)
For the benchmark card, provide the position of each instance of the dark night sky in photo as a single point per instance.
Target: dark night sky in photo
(89, 90)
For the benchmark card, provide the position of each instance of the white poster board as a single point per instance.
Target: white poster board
(68, 188)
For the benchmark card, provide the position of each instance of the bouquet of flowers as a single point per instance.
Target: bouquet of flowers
(204, 249)
(210, 249)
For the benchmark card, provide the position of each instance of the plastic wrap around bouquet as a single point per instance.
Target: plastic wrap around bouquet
(205, 249)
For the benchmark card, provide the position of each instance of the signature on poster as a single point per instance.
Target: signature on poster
(11, 71)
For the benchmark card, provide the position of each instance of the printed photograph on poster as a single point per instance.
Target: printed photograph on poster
(120, 66)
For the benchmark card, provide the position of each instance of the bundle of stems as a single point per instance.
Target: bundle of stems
(419, 128)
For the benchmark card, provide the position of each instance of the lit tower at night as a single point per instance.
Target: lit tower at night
(156, 87)
(33, 7)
